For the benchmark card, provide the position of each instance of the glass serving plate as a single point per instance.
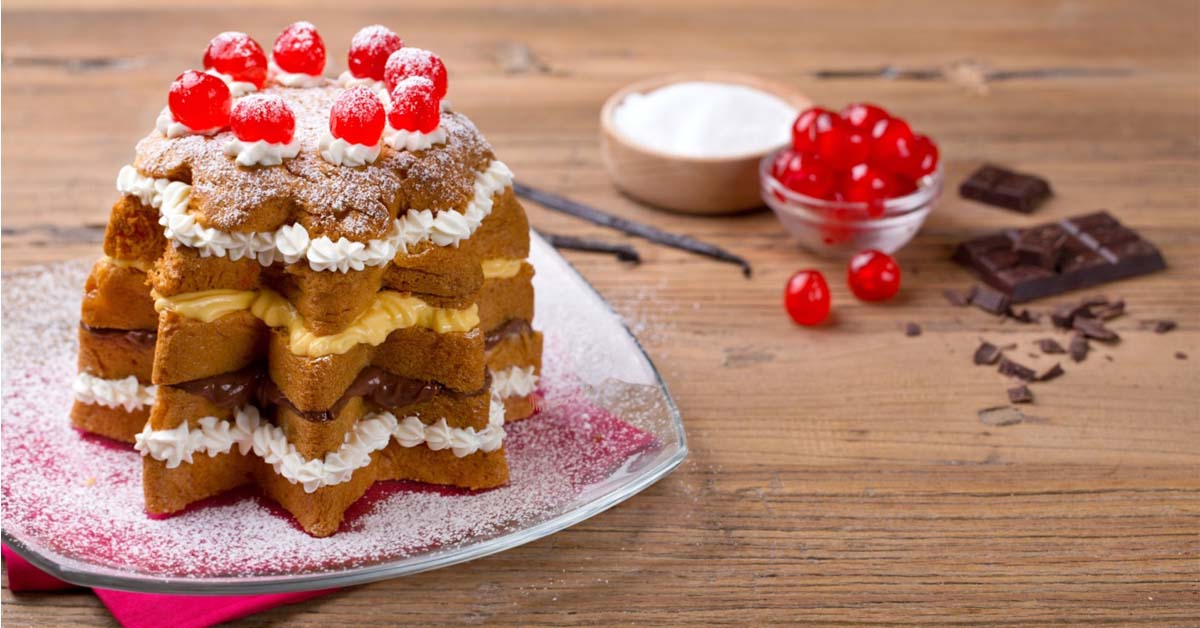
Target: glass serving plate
(608, 428)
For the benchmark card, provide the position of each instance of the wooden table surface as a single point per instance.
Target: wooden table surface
(837, 475)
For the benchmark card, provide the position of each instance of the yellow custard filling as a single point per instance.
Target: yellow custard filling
(128, 263)
(390, 311)
(501, 268)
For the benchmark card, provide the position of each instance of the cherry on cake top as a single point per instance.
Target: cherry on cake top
(863, 154)
(407, 62)
(357, 116)
(415, 107)
(370, 49)
(263, 118)
(299, 49)
(238, 56)
(200, 101)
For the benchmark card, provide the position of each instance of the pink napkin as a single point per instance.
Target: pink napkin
(147, 610)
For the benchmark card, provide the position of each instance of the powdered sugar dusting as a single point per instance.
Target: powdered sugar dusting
(356, 203)
(79, 496)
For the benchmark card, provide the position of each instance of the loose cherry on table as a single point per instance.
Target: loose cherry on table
(407, 62)
(200, 101)
(357, 116)
(806, 297)
(370, 49)
(873, 276)
(414, 106)
(300, 49)
(237, 55)
(263, 118)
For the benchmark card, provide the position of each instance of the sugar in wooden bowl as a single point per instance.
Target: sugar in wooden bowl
(691, 143)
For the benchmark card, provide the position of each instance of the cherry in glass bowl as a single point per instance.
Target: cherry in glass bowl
(839, 229)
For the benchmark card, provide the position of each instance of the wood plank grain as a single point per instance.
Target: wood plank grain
(839, 475)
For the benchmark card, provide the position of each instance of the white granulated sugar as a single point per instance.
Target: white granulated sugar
(81, 496)
(705, 119)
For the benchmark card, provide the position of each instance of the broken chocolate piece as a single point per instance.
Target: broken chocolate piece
(1004, 188)
(1078, 347)
(1097, 249)
(990, 300)
(987, 353)
(1164, 326)
(1093, 328)
(912, 329)
(1013, 369)
(956, 297)
(1051, 373)
(1021, 316)
(1040, 246)
(1109, 311)
(1050, 345)
(1020, 394)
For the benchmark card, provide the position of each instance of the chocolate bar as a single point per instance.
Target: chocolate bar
(1086, 251)
(1004, 188)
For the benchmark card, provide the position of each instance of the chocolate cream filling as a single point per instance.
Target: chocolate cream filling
(138, 339)
(375, 385)
(513, 327)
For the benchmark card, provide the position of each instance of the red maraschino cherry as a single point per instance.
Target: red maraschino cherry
(806, 297)
(811, 123)
(199, 101)
(862, 116)
(370, 49)
(870, 184)
(357, 116)
(922, 160)
(873, 276)
(263, 118)
(892, 144)
(804, 173)
(299, 49)
(238, 56)
(414, 106)
(407, 62)
(842, 146)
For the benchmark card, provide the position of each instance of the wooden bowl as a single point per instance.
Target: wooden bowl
(691, 185)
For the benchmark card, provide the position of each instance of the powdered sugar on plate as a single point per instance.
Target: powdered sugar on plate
(76, 500)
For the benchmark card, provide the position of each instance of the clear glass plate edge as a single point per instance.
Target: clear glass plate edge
(112, 579)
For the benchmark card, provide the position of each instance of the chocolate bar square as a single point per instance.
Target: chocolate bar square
(1004, 188)
(1057, 257)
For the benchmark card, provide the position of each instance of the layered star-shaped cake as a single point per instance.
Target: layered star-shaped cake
(310, 285)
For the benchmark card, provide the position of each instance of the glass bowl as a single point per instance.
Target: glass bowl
(841, 229)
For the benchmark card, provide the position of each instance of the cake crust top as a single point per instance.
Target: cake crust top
(329, 200)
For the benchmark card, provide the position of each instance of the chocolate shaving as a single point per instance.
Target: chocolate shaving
(1021, 316)
(1014, 369)
(1164, 326)
(1051, 373)
(987, 353)
(1078, 347)
(595, 216)
(1020, 394)
(1179, 355)
(956, 297)
(1094, 329)
(912, 329)
(1050, 345)
(1109, 311)
(989, 300)
(624, 252)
